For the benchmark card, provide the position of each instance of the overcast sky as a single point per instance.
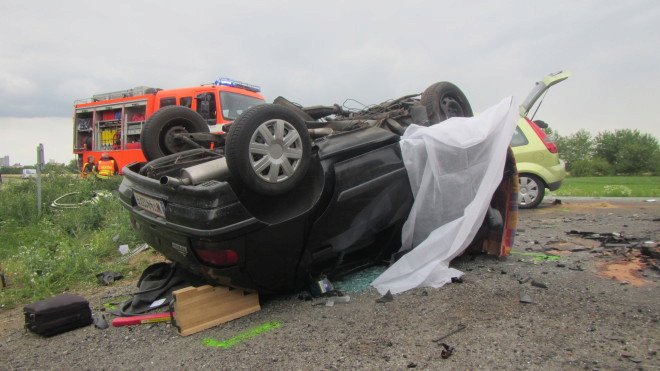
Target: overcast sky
(312, 52)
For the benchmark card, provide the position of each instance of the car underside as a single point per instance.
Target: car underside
(291, 193)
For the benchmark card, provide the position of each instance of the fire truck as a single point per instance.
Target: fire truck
(114, 122)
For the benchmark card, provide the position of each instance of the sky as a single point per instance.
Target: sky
(52, 53)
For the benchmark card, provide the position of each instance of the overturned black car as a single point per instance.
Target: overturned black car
(290, 192)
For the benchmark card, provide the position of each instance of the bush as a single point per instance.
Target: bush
(591, 167)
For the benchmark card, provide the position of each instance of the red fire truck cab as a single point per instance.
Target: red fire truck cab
(112, 122)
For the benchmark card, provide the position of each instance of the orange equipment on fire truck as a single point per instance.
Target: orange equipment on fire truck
(113, 122)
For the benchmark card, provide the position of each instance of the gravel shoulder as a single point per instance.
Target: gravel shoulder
(599, 311)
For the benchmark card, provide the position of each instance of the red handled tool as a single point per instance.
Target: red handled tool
(139, 320)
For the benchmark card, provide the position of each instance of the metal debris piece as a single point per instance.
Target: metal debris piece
(460, 328)
(526, 299)
(447, 352)
(107, 277)
(539, 284)
(385, 298)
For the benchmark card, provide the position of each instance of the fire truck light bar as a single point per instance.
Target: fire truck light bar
(237, 84)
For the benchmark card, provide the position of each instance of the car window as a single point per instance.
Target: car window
(234, 104)
(170, 101)
(519, 138)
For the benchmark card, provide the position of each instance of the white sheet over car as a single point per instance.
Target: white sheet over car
(454, 168)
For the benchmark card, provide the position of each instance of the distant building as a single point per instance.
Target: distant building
(4, 161)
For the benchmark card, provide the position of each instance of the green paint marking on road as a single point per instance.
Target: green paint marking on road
(536, 255)
(243, 336)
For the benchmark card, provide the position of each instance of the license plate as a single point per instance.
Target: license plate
(150, 204)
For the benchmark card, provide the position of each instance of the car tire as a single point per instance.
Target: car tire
(268, 149)
(531, 191)
(157, 138)
(444, 100)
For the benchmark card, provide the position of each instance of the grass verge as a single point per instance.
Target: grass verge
(611, 186)
(64, 248)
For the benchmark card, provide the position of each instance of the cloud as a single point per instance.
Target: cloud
(54, 53)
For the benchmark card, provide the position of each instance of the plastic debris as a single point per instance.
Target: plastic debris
(100, 322)
(386, 298)
(123, 249)
(337, 299)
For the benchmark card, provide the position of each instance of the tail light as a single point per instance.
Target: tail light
(211, 253)
(549, 144)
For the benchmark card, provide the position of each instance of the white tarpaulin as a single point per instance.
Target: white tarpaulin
(454, 168)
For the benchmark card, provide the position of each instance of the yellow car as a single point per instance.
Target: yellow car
(537, 160)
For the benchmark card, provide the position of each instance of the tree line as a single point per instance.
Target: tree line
(621, 152)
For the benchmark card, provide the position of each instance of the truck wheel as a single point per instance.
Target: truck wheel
(157, 137)
(268, 149)
(444, 100)
(531, 191)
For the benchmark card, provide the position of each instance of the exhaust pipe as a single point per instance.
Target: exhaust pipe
(211, 170)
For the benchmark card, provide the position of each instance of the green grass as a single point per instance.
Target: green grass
(63, 249)
(611, 186)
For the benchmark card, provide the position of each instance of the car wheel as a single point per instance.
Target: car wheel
(268, 149)
(531, 192)
(157, 137)
(444, 100)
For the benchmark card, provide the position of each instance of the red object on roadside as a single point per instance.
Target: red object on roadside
(139, 320)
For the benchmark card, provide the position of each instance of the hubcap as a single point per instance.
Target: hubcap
(275, 151)
(529, 190)
(451, 107)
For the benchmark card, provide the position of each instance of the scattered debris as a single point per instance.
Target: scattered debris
(524, 280)
(123, 249)
(337, 299)
(525, 298)
(321, 287)
(651, 200)
(385, 298)
(412, 365)
(140, 248)
(457, 280)
(539, 284)
(447, 351)
(538, 257)
(100, 322)
(243, 336)
(107, 277)
(360, 280)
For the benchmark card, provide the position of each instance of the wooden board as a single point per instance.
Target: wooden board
(199, 308)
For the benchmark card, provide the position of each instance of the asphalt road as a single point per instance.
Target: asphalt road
(598, 310)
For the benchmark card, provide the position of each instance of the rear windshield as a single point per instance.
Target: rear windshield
(234, 104)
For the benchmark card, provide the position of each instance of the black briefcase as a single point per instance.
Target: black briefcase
(57, 314)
